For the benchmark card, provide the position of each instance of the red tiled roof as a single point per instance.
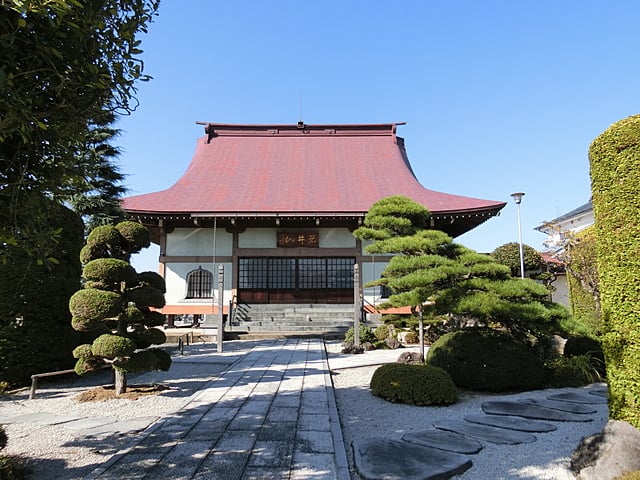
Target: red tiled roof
(289, 169)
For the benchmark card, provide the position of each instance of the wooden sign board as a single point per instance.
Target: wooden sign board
(298, 239)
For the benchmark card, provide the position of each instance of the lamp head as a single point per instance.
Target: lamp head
(518, 197)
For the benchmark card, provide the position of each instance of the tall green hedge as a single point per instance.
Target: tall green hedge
(615, 183)
(582, 270)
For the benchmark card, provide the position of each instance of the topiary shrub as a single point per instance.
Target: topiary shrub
(135, 235)
(153, 279)
(486, 360)
(117, 301)
(112, 346)
(413, 384)
(382, 332)
(91, 304)
(366, 335)
(109, 272)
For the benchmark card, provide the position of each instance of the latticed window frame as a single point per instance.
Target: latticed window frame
(199, 284)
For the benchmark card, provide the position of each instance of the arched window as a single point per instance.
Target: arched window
(199, 284)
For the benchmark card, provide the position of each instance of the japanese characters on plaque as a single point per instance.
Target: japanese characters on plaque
(298, 239)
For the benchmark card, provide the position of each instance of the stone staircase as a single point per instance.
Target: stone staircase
(265, 320)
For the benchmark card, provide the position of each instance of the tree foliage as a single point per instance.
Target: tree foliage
(117, 304)
(509, 255)
(34, 297)
(429, 268)
(615, 160)
(65, 66)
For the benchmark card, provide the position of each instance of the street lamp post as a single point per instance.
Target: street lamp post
(518, 199)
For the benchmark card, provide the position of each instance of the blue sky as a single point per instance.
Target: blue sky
(498, 96)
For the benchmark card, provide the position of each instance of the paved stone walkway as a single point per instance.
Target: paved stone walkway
(271, 415)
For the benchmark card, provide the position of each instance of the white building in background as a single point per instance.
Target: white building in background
(574, 221)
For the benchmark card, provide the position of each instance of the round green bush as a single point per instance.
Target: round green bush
(486, 360)
(149, 336)
(414, 384)
(104, 235)
(112, 346)
(146, 296)
(164, 359)
(87, 365)
(82, 351)
(110, 272)
(154, 319)
(91, 304)
(140, 362)
(366, 335)
(92, 252)
(135, 235)
(382, 332)
(153, 279)
(133, 314)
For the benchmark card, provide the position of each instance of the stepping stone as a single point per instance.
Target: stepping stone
(499, 436)
(579, 397)
(377, 458)
(512, 423)
(564, 406)
(444, 440)
(600, 390)
(531, 410)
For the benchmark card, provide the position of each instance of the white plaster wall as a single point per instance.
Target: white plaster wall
(258, 238)
(336, 238)
(176, 280)
(199, 241)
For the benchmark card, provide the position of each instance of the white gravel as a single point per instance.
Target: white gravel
(62, 454)
(365, 416)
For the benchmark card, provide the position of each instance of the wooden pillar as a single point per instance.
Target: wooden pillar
(220, 334)
(356, 305)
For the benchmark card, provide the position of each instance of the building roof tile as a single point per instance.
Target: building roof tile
(298, 169)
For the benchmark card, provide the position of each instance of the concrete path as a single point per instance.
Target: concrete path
(270, 415)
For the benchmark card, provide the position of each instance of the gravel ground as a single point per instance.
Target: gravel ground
(63, 455)
(365, 416)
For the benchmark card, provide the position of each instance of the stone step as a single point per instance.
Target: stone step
(289, 328)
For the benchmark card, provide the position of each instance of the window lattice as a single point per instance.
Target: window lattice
(199, 284)
(278, 273)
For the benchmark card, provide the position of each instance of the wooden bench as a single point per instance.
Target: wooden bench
(35, 377)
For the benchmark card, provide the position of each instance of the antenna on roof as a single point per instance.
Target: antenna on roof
(300, 121)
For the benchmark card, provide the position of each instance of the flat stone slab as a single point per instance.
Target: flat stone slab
(381, 458)
(499, 436)
(444, 440)
(121, 426)
(590, 398)
(42, 418)
(512, 423)
(531, 410)
(564, 406)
